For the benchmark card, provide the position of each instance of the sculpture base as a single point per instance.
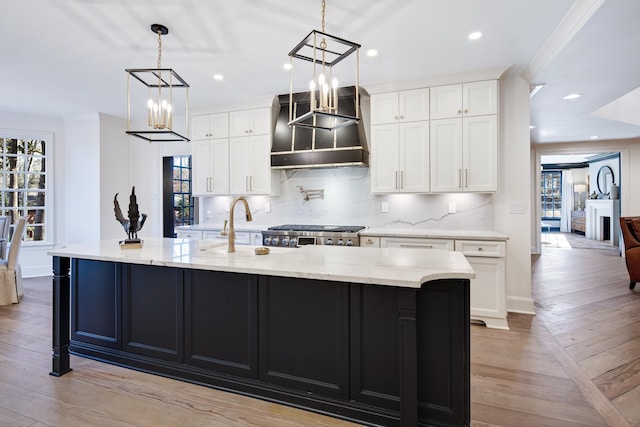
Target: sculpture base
(131, 244)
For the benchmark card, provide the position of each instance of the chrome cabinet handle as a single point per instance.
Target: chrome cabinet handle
(402, 179)
(396, 180)
(466, 178)
(417, 246)
(459, 178)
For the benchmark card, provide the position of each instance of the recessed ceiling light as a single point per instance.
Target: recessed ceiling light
(532, 126)
(475, 35)
(594, 137)
(287, 66)
(218, 77)
(372, 52)
(573, 96)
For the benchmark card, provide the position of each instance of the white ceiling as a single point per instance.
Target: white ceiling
(67, 57)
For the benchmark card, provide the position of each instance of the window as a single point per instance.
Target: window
(551, 194)
(23, 179)
(183, 210)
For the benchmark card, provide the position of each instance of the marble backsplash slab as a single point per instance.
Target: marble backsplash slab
(347, 200)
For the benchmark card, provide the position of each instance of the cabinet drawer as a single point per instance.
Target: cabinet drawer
(416, 243)
(369, 242)
(479, 248)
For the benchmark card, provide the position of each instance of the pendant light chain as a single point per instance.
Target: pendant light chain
(159, 47)
(323, 43)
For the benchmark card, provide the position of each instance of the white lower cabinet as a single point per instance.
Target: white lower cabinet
(488, 293)
(486, 257)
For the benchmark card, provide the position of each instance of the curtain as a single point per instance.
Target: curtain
(567, 201)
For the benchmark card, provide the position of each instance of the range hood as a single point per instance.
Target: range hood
(300, 147)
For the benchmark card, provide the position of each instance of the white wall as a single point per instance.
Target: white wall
(82, 179)
(114, 174)
(514, 189)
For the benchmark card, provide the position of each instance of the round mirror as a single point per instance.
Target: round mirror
(605, 179)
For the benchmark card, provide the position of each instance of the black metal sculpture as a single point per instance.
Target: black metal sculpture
(135, 222)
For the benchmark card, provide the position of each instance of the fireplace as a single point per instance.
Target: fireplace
(602, 220)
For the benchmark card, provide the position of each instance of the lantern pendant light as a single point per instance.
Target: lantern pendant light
(163, 87)
(324, 52)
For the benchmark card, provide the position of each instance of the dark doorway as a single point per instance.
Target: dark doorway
(178, 204)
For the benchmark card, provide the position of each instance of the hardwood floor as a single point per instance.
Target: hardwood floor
(577, 362)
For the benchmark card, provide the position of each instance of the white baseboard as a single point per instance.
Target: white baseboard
(520, 305)
(36, 271)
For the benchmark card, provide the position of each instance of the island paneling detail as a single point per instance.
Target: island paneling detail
(378, 355)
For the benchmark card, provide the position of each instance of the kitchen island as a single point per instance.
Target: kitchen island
(377, 336)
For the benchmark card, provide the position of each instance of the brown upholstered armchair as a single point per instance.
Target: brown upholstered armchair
(630, 227)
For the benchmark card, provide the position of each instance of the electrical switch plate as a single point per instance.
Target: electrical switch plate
(267, 207)
(517, 208)
(226, 207)
(384, 207)
(452, 207)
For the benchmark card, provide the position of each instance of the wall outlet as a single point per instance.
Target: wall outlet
(452, 207)
(226, 207)
(267, 207)
(384, 207)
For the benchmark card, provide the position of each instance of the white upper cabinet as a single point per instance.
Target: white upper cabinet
(251, 171)
(210, 167)
(462, 100)
(400, 158)
(250, 122)
(397, 107)
(210, 126)
(464, 154)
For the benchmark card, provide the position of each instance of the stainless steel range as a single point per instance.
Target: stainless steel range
(294, 235)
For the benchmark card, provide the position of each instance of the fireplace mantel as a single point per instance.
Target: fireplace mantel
(597, 212)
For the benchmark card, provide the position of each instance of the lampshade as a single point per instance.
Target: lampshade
(323, 51)
(580, 188)
(157, 99)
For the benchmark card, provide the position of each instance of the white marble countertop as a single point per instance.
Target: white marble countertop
(381, 266)
(434, 234)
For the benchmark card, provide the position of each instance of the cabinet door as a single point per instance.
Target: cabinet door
(488, 291)
(384, 158)
(384, 108)
(260, 173)
(210, 126)
(239, 160)
(480, 98)
(200, 127)
(480, 153)
(446, 155)
(210, 167)
(413, 105)
(219, 160)
(261, 121)
(239, 123)
(414, 157)
(200, 157)
(250, 122)
(446, 102)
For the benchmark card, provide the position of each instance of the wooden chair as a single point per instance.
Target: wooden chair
(10, 278)
(630, 227)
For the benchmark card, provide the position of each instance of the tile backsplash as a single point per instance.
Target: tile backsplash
(347, 200)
